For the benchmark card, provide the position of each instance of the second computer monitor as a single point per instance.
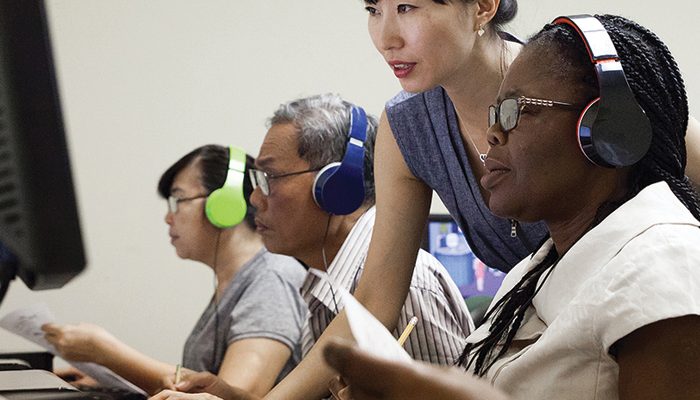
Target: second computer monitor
(445, 241)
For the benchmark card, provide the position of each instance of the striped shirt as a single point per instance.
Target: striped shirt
(443, 318)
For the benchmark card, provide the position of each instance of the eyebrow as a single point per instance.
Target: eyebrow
(509, 94)
(261, 163)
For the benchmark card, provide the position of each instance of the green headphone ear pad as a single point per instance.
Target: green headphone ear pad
(226, 207)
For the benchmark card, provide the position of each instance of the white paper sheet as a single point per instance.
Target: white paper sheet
(27, 322)
(370, 334)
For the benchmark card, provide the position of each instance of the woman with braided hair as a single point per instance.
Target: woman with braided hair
(608, 306)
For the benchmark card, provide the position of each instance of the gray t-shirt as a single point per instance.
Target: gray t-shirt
(262, 301)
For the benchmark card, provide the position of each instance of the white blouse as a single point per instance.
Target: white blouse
(639, 266)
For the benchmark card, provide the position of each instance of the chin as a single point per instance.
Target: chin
(414, 86)
(501, 208)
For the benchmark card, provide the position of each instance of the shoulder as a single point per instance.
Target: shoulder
(654, 277)
(270, 266)
(412, 101)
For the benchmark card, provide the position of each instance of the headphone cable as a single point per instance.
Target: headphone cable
(325, 263)
(216, 302)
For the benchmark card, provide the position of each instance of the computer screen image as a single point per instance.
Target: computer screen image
(40, 236)
(446, 242)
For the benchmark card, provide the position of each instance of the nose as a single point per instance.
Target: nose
(495, 135)
(169, 218)
(258, 200)
(385, 32)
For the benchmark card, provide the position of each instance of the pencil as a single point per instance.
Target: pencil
(404, 335)
(178, 369)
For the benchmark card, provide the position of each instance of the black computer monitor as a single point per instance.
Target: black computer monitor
(40, 239)
(445, 241)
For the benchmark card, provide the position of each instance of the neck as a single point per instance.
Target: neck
(237, 246)
(566, 231)
(338, 230)
(475, 85)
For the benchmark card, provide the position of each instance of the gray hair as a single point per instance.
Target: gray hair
(322, 122)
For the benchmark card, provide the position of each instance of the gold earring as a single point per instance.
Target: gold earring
(480, 32)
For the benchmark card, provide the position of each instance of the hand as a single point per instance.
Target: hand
(76, 377)
(370, 377)
(173, 395)
(168, 381)
(77, 342)
(207, 382)
(339, 389)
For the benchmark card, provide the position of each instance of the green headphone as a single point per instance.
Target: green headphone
(226, 206)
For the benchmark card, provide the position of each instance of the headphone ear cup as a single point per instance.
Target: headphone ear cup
(225, 207)
(321, 188)
(584, 131)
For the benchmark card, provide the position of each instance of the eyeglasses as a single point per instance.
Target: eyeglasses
(173, 201)
(507, 112)
(262, 179)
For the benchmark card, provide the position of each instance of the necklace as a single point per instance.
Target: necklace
(482, 156)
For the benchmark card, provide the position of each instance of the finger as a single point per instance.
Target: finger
(335, 387)
(168, 395)
(344, 393)
(50, 328)
(360, 369)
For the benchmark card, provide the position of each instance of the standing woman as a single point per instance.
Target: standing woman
(453, 55)
(249, 333)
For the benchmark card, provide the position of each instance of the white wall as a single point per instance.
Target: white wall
(144, 82)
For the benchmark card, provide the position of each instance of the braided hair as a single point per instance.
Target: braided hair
(656, 82)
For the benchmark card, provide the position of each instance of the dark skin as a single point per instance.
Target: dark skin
(412, 381)
(538, 173)
(660, 360)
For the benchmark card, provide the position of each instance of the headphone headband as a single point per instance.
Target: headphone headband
(598, 43)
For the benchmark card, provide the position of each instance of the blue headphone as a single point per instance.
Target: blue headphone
(339, 187)
(613, 130)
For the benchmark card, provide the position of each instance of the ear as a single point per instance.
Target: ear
(486, 10)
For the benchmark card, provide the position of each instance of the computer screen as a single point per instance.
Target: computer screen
(445, 241)
(40, 239)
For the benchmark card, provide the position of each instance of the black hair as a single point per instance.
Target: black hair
(213, 160)
(656, 82)
(507, 10)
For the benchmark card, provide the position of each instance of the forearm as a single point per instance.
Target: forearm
(309, 380)
(134, 366)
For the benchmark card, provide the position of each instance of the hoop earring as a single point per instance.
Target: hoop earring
(480, 32)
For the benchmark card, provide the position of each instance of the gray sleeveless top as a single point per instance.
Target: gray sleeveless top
(427, 131)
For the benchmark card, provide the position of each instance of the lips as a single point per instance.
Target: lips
(260, 226)
(497, 171)
(401, 68)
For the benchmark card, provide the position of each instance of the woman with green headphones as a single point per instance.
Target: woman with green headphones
(249, 333)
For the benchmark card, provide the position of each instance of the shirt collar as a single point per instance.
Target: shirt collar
(654, 205)
(344, 268)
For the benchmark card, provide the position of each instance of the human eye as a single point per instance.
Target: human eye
(404, 8)
(372, 10)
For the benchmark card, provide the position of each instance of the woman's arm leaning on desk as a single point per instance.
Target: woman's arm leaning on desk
(250, 364)
(403, 203)
(91, 343)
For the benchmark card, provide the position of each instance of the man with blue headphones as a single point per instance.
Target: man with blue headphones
(314, 200)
